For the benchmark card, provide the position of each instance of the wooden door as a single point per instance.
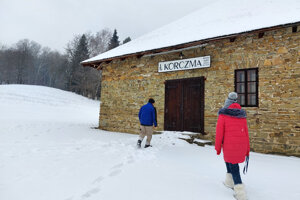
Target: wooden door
(184, 105)
(172, 105)
(193, 105)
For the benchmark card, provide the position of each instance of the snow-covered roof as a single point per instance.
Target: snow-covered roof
(220, 18)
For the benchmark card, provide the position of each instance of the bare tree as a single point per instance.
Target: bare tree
(26, 54)
(99, 42)
(26, 62)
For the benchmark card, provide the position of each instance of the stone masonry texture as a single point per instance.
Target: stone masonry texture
(274, 126)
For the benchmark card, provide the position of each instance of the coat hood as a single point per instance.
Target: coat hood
(234, 110)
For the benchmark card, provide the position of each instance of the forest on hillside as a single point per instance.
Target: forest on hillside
(28, 62)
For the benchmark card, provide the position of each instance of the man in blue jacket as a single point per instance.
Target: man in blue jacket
(147, 117)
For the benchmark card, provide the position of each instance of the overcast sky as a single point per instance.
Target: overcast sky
(53, 23)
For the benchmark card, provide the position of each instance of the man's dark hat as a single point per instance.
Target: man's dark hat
(151, 100)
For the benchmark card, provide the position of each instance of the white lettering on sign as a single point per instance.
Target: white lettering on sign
(191, 63)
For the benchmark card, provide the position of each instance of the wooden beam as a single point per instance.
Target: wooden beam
(139, 56)
(100, 66)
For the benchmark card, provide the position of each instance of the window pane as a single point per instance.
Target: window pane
(251, 75)
(252, 87)
(240, 76)
(240, 87)
(251, 99)
(241, 99)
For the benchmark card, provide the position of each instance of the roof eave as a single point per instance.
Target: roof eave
(96, 63)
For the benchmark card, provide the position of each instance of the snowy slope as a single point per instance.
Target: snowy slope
(48, 151)
(219, 18)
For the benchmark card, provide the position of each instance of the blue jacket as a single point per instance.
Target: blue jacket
(147, 115)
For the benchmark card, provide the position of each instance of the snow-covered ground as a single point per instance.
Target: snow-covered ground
(50, 151)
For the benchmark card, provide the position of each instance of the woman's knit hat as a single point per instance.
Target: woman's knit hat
(232, 98)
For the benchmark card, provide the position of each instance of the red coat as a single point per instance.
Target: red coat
(232, 134)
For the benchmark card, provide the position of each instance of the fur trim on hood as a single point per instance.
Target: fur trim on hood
(234, 110)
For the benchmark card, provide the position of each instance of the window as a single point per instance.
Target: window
(246, 85)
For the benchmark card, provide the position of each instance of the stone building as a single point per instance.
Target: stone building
(190, 66)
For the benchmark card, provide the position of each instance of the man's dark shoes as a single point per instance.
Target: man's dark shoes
(148, 145)
(139, 142)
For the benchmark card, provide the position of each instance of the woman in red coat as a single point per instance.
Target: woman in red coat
(232, 136)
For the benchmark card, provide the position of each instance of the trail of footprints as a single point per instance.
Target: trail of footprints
(114, 171)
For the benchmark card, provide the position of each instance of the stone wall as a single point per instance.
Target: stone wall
(274, 126)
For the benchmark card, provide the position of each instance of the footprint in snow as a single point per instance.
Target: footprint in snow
(115, 173)
(130, 159)
(117, 166)
(98, 180)
(90, 193)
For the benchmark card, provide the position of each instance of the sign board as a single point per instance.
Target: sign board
(185, 64)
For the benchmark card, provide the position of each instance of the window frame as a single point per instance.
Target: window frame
(246, 85)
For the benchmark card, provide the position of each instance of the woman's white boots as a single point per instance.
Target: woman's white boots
(228, 181)
(239, 192)
(239, 189)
